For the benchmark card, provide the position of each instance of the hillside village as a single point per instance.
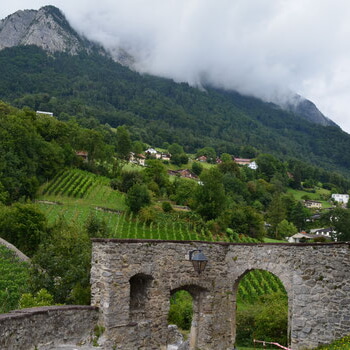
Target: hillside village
(125, 188)
(95, 153)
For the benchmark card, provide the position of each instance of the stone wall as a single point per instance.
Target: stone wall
(132, 281)
(37, 328)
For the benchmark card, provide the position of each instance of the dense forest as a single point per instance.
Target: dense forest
(157, 110)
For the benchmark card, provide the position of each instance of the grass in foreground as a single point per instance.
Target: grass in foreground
(340, 344)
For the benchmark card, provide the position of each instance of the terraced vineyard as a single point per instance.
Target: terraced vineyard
(258, 283)
(76, 194)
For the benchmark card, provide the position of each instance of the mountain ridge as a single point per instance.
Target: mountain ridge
(49, 29)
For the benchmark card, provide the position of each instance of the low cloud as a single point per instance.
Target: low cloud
(261, 48)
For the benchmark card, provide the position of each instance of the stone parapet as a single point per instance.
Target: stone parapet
(38, 328)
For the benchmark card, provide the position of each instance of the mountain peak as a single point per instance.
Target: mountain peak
(307, 110)
(47, 28)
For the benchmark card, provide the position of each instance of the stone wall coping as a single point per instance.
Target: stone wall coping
(155, 241)
(44, 309)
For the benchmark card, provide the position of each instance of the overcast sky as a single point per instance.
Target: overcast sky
(264, 48)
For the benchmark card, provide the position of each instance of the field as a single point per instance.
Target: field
(76, 194)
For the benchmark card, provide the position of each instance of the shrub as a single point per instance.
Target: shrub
(147, 215)
(137, 197)
(41, 298)
(266, 319)
(166, 206)
(95, 226)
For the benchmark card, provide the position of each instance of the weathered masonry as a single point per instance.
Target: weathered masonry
(132, 281)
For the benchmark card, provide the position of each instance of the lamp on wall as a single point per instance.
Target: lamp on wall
(198, 259)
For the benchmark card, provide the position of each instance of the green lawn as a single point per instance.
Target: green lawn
(133, 167)
(319, 195)
(271, 240)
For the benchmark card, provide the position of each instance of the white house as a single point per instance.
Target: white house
(151, 151)
(44, 113)
(325, 232)
(300, 237)
(340, 198)
(253, 165)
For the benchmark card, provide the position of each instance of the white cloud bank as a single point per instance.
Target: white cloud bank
(263, 48)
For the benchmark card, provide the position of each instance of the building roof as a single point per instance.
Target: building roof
(245, 160)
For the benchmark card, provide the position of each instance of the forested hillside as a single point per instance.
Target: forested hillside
(158, 110)
(52, 201)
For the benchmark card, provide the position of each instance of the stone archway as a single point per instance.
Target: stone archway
(315, 276)
(236, 286)
(198, 293)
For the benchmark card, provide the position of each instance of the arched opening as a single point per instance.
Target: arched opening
(181, 310)
(140, 285)
(261, 310)
(184, 312)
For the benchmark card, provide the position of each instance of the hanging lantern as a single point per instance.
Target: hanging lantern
(199, 260)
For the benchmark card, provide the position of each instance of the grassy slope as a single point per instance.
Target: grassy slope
(319, 195)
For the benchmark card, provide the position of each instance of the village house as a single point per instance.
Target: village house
(202, 159)
(138, 159)
(246, 162)
(83, 155)
(312, 204)
(340, 198)
(302, 237)
(325, 232)
(183, 173)
(163, 156)
(253, 165)
(242, 161)
(151, 152)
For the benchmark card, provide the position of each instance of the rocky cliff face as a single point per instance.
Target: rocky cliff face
(46, 28)
(308, 111)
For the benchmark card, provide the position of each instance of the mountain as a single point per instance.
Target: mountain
(78, 78)
(307, 110)
(46, 28)
(49, 29)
